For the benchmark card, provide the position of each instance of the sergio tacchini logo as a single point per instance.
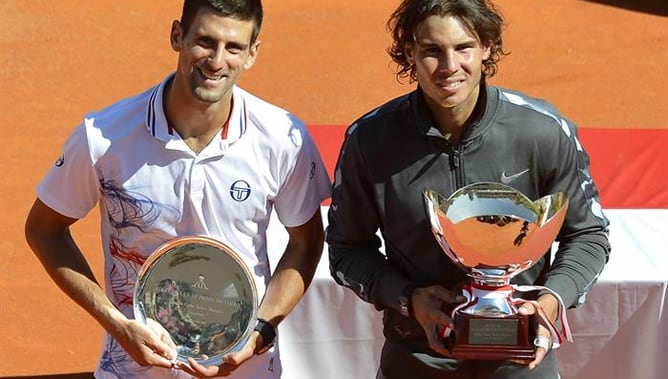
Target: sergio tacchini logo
(505, 179)
(240, 190)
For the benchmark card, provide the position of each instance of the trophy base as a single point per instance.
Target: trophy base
(493, 338)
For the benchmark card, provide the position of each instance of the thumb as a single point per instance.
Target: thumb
(166, 351)
(161, 357)
(168, 346)
(162, 344)
(449, 296)
(527, 309)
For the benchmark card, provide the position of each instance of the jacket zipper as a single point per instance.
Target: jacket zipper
(456, 166)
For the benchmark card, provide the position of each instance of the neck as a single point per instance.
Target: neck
(192, 118)
(453, 121)
(196, 122)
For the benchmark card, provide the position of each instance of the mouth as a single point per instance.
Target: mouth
(450, 85)
(207, 78)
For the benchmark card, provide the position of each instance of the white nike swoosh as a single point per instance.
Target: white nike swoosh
(507, 179)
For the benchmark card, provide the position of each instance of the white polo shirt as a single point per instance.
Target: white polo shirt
(151, 188)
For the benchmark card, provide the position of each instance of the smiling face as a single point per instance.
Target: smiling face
(447, 58)
(212, 55)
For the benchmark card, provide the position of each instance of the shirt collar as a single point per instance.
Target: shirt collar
(156, 121)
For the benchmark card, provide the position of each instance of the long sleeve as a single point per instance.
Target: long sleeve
(583, 241)
(356, 260)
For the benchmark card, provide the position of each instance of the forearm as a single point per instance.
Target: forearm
(577, 265)
(286, 287)
(294, 271)
(367, 272)
(67, 267)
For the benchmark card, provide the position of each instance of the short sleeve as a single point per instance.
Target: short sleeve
(306, 187)
(71, 186)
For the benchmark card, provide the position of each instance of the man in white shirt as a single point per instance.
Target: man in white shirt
(194, 155)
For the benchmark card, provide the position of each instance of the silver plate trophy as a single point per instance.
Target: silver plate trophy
(493, 232)
(201, 292)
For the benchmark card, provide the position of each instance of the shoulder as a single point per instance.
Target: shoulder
(535, 119)
(387, 110)
(383, 117)
(123, 112)
(266, 115)
(523, 104)
(119, 123)
(271, 128)
(533, 113)
(272, 123)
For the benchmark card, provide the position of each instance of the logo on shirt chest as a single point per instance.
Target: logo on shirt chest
(506, 179)
(240, 190)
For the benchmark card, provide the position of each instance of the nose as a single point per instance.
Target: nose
(448, 62)
(216, 59)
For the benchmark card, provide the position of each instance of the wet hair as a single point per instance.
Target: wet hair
(245, 10)
(479, 16)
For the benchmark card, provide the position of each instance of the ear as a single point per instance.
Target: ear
(487, 52)
(176, 36)
(409, 52)
(252, 55)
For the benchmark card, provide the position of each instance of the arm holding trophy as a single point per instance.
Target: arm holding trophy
(447, 202)
(48, 234)
(583, 246)
(293, 274)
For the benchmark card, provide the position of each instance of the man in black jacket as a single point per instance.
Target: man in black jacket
(453, 130)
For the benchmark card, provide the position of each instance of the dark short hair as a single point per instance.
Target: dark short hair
(479, 17)
(245, 10)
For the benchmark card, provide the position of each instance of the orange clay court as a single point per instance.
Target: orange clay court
(601, 62)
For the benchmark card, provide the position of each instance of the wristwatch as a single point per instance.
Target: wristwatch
(405, 307)
(268, 333)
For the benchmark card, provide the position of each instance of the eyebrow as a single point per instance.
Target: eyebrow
(470, 41)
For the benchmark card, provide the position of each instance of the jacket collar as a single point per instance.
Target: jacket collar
(427, 126)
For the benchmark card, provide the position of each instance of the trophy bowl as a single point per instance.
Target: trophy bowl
(493, 232)
(202, 293)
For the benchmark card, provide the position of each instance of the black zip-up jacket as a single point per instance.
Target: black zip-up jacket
(394, 152)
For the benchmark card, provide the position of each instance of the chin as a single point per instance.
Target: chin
(450, 102)
(207, 96)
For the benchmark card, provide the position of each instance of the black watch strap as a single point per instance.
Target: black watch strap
(268, 333)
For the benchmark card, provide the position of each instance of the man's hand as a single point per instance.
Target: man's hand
(550, 306)
(230, 363)
(429, 306)
(148, 345)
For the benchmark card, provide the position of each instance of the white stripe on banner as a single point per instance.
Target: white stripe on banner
(624, 306)
(637, 236)
(639, 239)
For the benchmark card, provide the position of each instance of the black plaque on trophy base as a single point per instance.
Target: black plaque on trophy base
(493, 338)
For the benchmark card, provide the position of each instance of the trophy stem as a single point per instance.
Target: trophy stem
(488, 326)
(488, 301)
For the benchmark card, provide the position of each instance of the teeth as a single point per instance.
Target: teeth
(451, 84)
(211, 77)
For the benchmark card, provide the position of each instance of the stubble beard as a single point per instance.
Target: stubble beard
(207, 95)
